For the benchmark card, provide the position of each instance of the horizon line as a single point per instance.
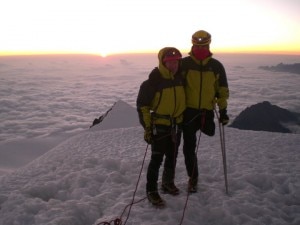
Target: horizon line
(41, 53)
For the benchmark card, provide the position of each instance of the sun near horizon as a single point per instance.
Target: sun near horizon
(223, 50)
(134, 26)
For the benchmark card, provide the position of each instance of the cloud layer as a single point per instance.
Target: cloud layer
(56, 95)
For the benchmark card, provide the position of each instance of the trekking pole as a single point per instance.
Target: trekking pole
(222, 137)
(223, 150)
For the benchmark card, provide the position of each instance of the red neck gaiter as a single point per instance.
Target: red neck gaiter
(201, 53)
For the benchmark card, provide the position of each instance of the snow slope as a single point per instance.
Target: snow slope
(91, 178)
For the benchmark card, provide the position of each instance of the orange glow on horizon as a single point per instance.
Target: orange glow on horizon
(232, 50)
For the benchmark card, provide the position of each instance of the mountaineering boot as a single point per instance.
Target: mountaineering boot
(170, 188)
(155, 199)
(167, 182)
(192, 185)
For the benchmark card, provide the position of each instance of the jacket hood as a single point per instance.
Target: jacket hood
(162, 68)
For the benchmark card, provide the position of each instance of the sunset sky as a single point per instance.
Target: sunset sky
(107, 27)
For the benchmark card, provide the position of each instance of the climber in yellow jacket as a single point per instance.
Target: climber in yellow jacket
(205, 87)
(160, 105)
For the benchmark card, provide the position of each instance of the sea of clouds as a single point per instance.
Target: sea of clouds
(46, 99)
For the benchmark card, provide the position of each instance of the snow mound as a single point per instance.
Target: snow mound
(120, 115)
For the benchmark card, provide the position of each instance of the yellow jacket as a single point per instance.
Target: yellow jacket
(206, 83)
(161, 97)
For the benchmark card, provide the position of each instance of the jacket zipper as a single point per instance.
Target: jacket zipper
(201, 81)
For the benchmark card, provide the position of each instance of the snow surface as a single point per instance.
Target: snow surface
(90, 178)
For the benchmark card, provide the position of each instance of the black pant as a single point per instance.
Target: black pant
(164, 144)
(194, 120)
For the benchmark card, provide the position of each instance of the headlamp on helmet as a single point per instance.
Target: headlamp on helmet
(171, 54)
(201, 37)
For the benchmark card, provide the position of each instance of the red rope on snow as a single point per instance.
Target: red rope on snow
(118, 221)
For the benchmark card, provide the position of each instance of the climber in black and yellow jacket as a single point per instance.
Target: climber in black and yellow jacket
(206, 86)
(160, 106)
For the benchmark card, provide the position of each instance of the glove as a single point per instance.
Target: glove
(224, 119)
(148, 135)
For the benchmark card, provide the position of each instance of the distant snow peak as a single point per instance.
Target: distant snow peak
(290, 68)
(120, 115)
(267, 117)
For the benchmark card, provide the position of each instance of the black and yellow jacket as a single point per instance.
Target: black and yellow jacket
(206, 83)
(161, 97)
